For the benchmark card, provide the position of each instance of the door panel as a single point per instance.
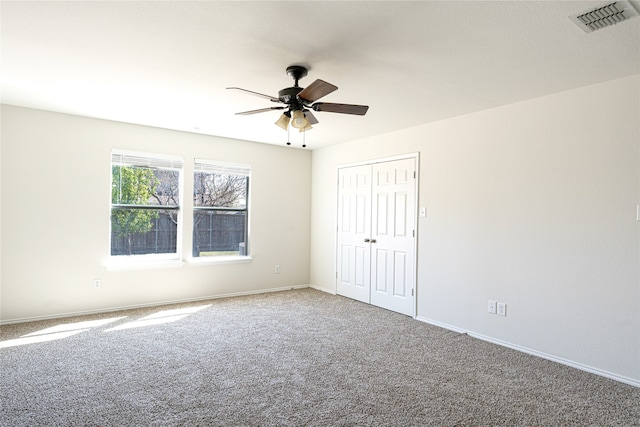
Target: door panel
(354, 225)
(400, 217)
(362, 267)
(382, 207)
(393, 281)
(400, 282)
(381, 274)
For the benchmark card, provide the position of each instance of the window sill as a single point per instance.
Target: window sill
(216, 260)
(125, 265)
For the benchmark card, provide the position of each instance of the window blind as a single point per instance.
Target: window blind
(141, 160)
(221, 168)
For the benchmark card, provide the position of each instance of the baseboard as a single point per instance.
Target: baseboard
(151, 304)
(318, 288)
(560, 360)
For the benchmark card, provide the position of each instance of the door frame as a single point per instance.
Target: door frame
(416, 157)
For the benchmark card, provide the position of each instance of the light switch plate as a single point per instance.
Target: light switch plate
(502, 309)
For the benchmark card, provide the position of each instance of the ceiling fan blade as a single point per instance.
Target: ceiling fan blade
(250, 92)
(358, 110)
(316, 90)
(261, 110)
(310, 117)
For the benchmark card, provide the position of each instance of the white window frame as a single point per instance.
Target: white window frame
(242, 169)
(153, 160)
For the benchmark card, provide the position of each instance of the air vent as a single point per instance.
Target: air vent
(604, 16)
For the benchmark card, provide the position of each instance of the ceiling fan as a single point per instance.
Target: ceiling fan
(298, 102)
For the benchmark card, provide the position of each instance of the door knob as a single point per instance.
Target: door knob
(367, 240)
(373, 240)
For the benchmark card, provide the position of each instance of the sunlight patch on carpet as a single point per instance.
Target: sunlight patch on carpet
(161, 317)
(57, 332)
(75, 326)
(39, 338)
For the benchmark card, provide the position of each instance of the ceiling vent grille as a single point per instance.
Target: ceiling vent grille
(604, 16)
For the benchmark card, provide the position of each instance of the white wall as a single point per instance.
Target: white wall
(55, 216)
(532, 204)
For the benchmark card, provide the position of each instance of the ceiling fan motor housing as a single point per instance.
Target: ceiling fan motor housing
(289, 95)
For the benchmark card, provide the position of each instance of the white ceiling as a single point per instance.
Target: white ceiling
(167, 64)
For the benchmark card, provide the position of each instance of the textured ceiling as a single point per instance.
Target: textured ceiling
(167, 64)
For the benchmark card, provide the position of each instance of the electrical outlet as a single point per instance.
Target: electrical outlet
(97, 283)
(502, 309)
(491, 307)
(277, 269)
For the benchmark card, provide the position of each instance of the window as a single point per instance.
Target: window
(145, 205)
(220, 209)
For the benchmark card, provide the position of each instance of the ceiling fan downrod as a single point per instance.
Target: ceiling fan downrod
(296, 72)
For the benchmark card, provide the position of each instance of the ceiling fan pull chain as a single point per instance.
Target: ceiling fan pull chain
(288, 134)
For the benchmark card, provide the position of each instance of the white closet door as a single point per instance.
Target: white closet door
(354, 228)
(392, 236)
(376, 235)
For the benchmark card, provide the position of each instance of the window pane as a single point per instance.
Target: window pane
(143, 231)
(219, 233)
(167, 193)
(220, 190)
(134, 185)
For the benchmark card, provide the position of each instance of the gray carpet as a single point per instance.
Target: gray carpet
(293, 358)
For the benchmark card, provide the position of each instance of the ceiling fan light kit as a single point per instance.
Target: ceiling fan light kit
(283, 121)
(298, 102)
(298, 120)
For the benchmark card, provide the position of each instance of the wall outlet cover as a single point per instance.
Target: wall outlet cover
(491, 307)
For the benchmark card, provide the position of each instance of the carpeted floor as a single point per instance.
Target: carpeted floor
(293, 358)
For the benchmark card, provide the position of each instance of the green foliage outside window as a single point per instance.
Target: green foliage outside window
(132, 186)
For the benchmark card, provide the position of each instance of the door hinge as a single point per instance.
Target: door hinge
(336, 274)
(414, 233)
(414, 174)
(411, 292)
